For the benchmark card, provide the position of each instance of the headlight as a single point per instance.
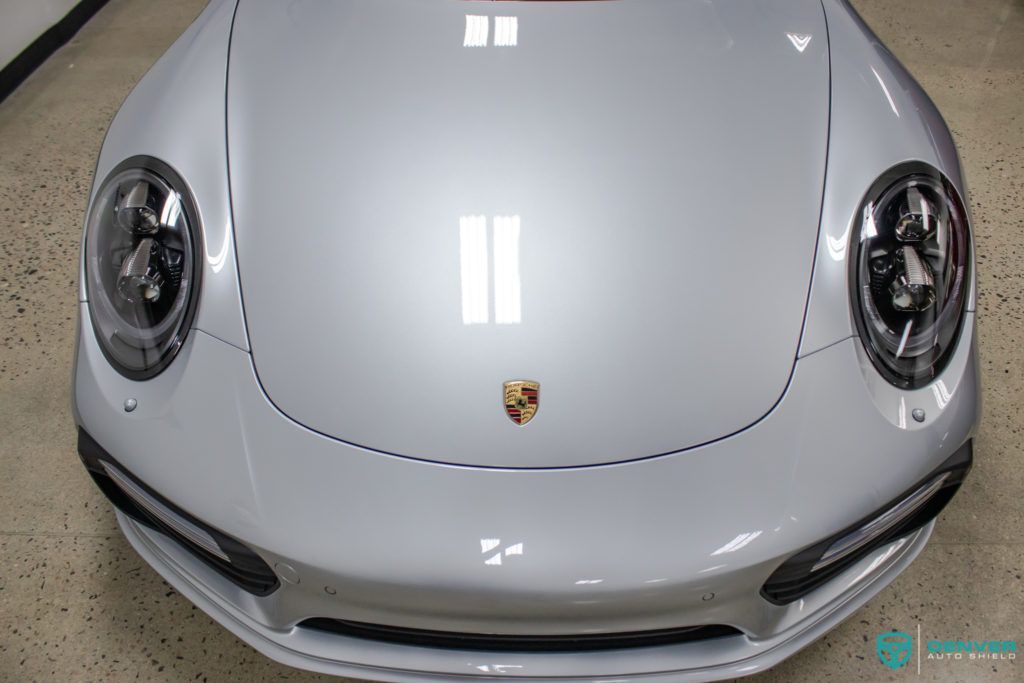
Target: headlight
(140, 266)
(910, 273)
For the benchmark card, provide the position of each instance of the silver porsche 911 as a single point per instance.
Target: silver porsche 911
(432, 339)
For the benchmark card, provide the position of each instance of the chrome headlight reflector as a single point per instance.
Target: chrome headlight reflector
(910, 273)
(141, 272)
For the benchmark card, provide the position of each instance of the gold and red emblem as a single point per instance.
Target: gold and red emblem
(522, 398)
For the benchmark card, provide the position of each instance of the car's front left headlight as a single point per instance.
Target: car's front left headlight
(910, 273)
(141, 242)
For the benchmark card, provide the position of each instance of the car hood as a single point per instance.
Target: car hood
(616, 200)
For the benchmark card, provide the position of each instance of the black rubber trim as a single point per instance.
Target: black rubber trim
(22, 66)
(483, 642)
(794, 578)
(247, 570)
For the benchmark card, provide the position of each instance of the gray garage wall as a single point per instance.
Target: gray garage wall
(22, 21)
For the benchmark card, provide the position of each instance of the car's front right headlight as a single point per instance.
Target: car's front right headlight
(910, 273)
(141, 272)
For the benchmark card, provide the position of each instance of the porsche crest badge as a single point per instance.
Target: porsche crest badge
(521, 400)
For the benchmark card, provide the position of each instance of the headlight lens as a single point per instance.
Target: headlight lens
(140, 266)
(910, 273)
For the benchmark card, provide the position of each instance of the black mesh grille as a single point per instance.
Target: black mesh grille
(244, 568)
(795, 578)
(517, 643)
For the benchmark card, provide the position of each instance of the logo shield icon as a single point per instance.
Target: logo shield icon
(894, 648)
(522, 399)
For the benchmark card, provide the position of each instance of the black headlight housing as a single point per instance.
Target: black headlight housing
(910, 273)
(142, 266)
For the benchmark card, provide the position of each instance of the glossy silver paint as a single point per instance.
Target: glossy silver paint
(639, 183)
(612, 547)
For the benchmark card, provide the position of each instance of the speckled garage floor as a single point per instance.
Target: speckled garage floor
(76, 603)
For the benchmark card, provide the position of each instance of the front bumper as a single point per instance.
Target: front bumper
(718, 659)
(681, 540)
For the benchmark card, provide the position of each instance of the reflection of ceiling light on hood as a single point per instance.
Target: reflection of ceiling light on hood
(738, 542)
(474, 270)
(477, 29)
(506, 31)
(473, 257)
(800, 40)
(888, 96)
(507, 292)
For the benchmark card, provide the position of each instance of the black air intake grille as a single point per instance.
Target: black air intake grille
(229, 558)
(796, 577)
(516, 643)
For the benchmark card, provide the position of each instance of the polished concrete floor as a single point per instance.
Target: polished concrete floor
(76, 603)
